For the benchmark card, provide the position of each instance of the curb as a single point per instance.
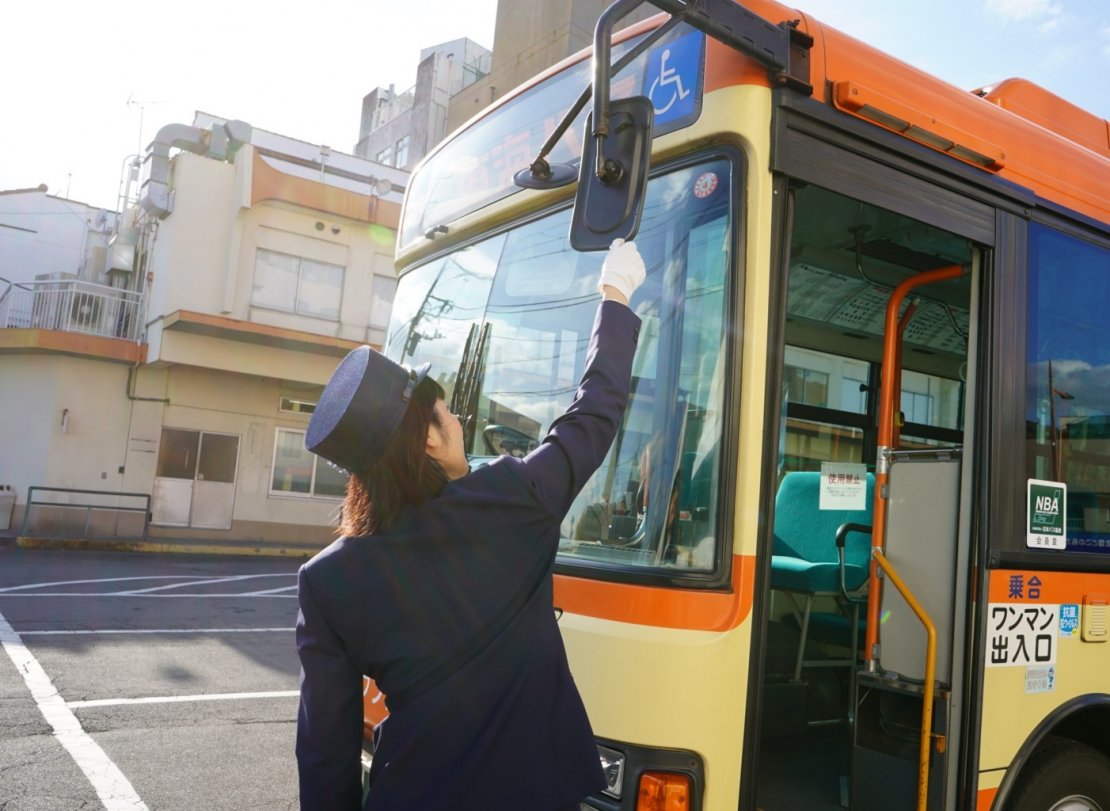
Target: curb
(183, 548)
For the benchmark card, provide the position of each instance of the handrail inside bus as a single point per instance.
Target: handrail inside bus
(889, 395)
(925, 741)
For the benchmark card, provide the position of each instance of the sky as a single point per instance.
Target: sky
(86, 85)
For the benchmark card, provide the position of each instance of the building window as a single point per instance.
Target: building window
(806, 386)
(402, 152)
(293, 406)
(297, 285)
(381, 301)
(917, 407)
(298, 471)
(853, 395)
(385, 156)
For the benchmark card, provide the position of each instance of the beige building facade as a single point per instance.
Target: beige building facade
(259, 262)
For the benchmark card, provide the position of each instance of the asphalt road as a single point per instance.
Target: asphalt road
(146, 681)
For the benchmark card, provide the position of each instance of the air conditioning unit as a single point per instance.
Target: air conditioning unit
(48, 297)
(84, 311)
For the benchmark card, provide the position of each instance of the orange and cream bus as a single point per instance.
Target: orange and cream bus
(851, 547)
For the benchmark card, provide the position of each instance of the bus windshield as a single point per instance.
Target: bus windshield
(532, 299)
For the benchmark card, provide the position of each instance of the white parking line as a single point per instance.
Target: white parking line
(200, 582)
(112, 788)
(115, 702)
(26, 586)
(140, 596)
(268, 591)
(159, 631)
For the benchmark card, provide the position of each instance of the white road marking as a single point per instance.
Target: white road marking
(200, 582)
(137, 596)
(115, 702)
(160, 631)
(26, 586)
(112, 788)
(27, 590)
(191, 580)
(268, 591)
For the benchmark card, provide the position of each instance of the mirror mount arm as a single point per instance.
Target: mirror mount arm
(607, 171)
(540, 168)
(782, 49)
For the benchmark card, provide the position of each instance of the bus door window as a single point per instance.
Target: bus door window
(845, 258)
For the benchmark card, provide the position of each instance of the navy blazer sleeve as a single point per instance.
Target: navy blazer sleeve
(578, 440)
(329, 718)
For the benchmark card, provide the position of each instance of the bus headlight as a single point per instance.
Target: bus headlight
(612, 763)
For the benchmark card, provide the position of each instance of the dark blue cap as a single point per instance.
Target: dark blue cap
(361, 409)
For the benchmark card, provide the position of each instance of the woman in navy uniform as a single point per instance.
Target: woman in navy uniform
(441, 590)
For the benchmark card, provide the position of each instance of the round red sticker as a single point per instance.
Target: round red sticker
(705, 185)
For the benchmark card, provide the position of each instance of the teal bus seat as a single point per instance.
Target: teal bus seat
(806, 563)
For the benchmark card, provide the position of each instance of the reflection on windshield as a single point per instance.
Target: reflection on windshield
(653, 501)
(436, 305)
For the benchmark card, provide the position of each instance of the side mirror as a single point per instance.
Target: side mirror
(608, 208)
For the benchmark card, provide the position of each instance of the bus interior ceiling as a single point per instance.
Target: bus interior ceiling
(845, 258)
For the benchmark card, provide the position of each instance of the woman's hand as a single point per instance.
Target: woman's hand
(622, 273)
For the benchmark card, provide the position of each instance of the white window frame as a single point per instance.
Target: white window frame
(375, 300)
(316, 462)
(296, 308)
(291, 405)
(401, 151)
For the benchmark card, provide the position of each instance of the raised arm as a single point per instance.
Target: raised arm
(578, 440)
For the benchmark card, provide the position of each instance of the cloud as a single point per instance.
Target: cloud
(1064, 55)
(1021, 10)
(1104, 38)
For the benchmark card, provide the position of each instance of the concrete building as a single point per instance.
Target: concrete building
(398, 129)
(45, 236)
(458, 79)
(529, 37)
(250, 265)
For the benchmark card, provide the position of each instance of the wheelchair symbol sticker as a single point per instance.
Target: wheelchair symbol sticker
(673, 78)
(669, 85)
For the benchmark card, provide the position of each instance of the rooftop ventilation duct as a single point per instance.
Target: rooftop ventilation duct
(220, 142)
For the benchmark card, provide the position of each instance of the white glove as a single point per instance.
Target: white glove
(623, 268)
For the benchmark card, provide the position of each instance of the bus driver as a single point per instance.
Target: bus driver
(441, 590)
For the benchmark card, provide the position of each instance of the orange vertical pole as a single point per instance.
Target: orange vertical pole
(904, 322)
(888, 403)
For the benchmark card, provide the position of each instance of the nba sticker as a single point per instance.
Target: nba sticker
(1046, 507)
(705, 185)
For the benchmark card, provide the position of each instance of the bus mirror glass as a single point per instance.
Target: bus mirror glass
(610, 208)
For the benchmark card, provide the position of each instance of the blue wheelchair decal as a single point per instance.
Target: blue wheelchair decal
(673, 78)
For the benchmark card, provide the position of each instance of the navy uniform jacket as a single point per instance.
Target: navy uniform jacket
(451, 613)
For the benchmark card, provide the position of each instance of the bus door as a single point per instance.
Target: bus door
(846, 716)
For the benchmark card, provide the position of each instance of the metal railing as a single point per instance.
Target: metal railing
(54, 515)
(70, 305)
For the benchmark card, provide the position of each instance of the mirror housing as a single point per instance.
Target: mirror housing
(612, 184)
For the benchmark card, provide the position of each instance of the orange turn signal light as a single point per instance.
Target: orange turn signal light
(663, 791)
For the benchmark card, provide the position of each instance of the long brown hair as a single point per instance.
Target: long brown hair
(404, 474)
